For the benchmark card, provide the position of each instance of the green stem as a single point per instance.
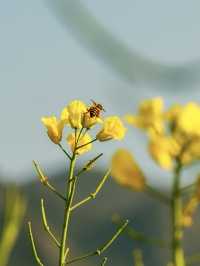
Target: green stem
(102, 249)
(104, 261)
(81, 146)
(94, 194)
(70, 195)
(157, 194)
(176, 210)
(65, 152)
(141, 237)
(44, 180)
(33, 246)
(188, 189)
(46, 226)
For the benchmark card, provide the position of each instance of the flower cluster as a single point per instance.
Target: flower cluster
(76, 116)
(174, 134)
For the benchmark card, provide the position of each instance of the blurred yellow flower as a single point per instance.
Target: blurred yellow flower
(89, 121)
(150, 115)
(113, 128)
(84, 139)
(163, 150)
(65, 115)
(191, 152)
(188, 121)
(173, 112)
(188, 211)
(54, 128)
(76, 110)
(125, 170)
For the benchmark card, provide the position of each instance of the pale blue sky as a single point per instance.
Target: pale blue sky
(42, 67)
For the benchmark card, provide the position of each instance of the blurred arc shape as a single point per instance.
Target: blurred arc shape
(133, 67)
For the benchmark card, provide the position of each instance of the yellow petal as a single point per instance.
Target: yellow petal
(191, 152)
(54, 128)
(149, 116)
(153, 106)
(64, 115)
(125, 170)
(173, 112)
(163, 150)
(188, 120)
(82, 141)
(113, 128)
(188, 211)
(76, 110)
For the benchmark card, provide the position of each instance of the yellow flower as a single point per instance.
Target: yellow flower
(113, 128)
(76, 110)
(54, 128)
(172, 113)
(65, 116)
(84, 139)
(125, 170)
(188, 211)
(88, 121)
(188, 120)
(163, 150)
(191, 152)
(150, 115)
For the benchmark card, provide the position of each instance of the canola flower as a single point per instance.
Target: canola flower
(78, 119)
(172, 133)
(77, 116)
(173, 143)
(113, 128)
(149, 116)
(54, 128)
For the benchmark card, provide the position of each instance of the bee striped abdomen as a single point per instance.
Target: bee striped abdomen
(94, 111)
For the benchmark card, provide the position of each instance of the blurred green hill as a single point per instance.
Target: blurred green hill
(92, 224)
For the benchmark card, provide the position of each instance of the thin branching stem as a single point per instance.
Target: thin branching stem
(81, 146)
(89, 164)
(188, 188)
(65, 152)
(54, 190)
(157, 195)
(46, 226)
(33, 246)
(141, 237)
(104, 261)
(102, 249)
(45, 182)
(94, 194)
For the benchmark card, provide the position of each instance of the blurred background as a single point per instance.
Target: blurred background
(117, 53)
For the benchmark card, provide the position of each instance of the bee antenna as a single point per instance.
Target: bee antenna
(93, 101)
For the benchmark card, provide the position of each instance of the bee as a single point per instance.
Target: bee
(95, 109)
